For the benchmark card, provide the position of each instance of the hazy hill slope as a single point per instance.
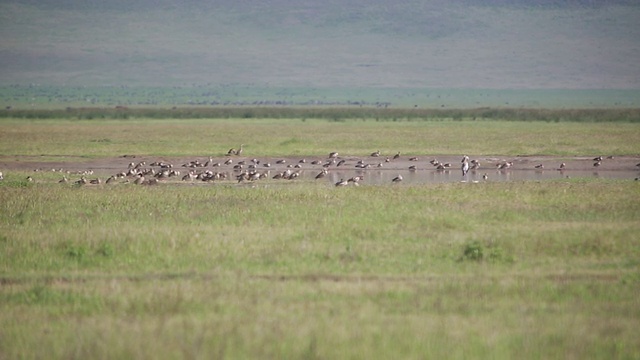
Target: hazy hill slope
(364, 43)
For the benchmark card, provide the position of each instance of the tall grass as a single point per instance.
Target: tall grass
(313, 271)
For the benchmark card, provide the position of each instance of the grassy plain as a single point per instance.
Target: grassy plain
(427, 135)
(300, 270)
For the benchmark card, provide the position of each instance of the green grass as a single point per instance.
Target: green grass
(305, 270)
(283, 137)
(309, 270)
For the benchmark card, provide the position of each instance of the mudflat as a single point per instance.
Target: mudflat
(309, 167)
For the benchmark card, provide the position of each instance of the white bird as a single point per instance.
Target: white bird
(397, 179)
(465, 165)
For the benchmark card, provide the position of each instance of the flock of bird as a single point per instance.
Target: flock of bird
(245, 170)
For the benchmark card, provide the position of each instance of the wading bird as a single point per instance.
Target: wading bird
(322, 173)
(465, 165)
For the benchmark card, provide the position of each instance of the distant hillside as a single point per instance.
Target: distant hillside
(287, 43)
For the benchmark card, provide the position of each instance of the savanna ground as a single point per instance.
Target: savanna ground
(301, 269)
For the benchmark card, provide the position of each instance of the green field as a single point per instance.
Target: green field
(302, 270)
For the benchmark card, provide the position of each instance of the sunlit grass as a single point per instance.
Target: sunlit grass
(283, 137)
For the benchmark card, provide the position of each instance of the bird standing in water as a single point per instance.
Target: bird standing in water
(465, 165)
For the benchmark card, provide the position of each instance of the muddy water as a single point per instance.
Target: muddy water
(382, 177)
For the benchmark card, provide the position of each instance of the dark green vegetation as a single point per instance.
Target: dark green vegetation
(338, 114)
(312, 44)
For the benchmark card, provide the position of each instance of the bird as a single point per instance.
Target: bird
(465, 165)
(599, 158)
(355, 180)
(1, 176)
(376, 153)
(413, 168)
(239, 151)
(397, 179)
(562, 166)
(485, 176)
(82, 181)
(96, 181)
(597, 163)
(396, 156)
(342, 182)
(64, 180)
(333, 155)
(322, 173)
(189, 177)
(539, 166)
